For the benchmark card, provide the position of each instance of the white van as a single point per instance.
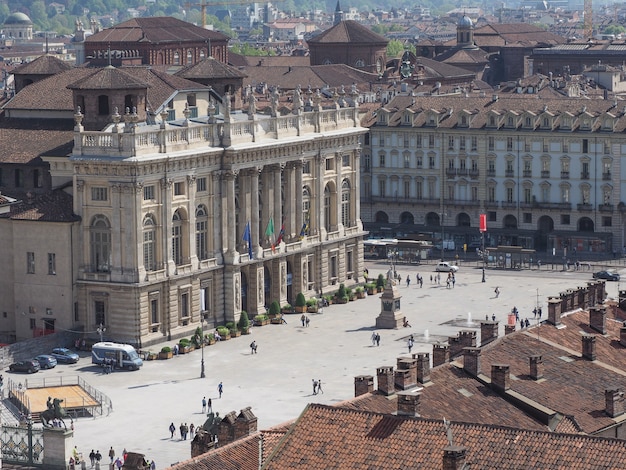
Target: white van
(122, 356)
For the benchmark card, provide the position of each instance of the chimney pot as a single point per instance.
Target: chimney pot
(363, 384)
(471, 360)
(454, 457)
(536, 367)
(614, 402)
(597, 318)
(408, 402)
(385, 380)
(589, 347)
(500, 377)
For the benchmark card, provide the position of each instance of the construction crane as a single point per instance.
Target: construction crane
(588, 24)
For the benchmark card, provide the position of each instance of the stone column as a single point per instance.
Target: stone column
(355, 187)
(215, 221)
(254, 211)
(116, 230)
(267, 206)
(290, 193)
(278, 201)
(230, 232)
(166, 232)
(298, 189)
(191, 187)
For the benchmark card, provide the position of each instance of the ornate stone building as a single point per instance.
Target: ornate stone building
(203, 218)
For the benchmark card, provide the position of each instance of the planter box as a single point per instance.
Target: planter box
(184, 349)
(245, 331)
(276, 321)
(235, 333)
(361, 295)
(152, 356)
(372, 290)
(301, 309)
(166, 355)
(311, 309)
(261, 322)
(211, 342)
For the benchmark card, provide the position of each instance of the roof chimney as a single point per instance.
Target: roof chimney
(622, 334)
(536, 367)
(597, 318)
(454, 457)
(614, 402)
(488, 332)
(423, 367)
(589, 347)
(441, 354)
(408, 402)
(471, 361)
(363, 384)
(500, 377)
(385, 380)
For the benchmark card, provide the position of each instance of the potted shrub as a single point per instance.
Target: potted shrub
(261, 319)
(287, 308)
(151, 356)
(342, 295)
(371, 288)
(300, 303)
(196, 339)
(184, 346)
(329, 299)
(360, 292)
(311, 305)
(274, 310)
(224, 332)
(166, 353)
(210, 339)
(244, 323)
(350, 294)
(380, 283)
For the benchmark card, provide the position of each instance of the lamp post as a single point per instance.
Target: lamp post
(442, 244)
(101, 329)
(483, 229)
(202, 375)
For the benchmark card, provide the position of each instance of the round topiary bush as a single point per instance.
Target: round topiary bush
(244, 321)
(166, 349)
(300, 300)
(274, 308)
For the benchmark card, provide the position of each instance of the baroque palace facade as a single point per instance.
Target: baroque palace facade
(545, 169)
(203, 218)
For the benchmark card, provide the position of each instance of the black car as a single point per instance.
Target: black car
(606, 275)
(29, 366)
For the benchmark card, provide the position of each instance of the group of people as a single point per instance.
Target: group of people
(305, 320)
(184, 430)
(375, 339)
(451, 280)
(418, 278)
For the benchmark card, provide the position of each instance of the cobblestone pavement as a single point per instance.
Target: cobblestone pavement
(277, 382)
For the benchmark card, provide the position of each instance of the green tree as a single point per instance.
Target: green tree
(614, 29)
(395, 48)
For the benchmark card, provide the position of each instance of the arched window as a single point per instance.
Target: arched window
(345, 203)
(149, 243)
(202, 231)
(306, 203)
(327, 207)
(177, 238)
(189, 57)
(100, 242)
(176, 58)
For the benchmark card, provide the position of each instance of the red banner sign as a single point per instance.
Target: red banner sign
(483, 222)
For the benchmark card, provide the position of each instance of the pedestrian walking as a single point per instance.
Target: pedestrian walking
(431, 278)
(408, 280)
(410, 343)
(493, 317)
(191, 429)
(111, 454)
(203, 404)
(252, 349)
(172, 430)
(527, 322)
(303, 319)
(314, 386)
(181, 429)
(118, 463)
(535, 312)
(99, 458)
(374, 334)
(319, 386)
(220, 389)
(308, 320)
(92, 457)
(377, 339)
(497, 292)
(209, 406)
(453, 280)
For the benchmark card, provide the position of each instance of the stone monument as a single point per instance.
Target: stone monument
(390, 315)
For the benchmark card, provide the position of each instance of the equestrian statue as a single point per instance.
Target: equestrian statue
(54, 411)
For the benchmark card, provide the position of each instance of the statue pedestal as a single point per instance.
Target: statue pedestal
(390, 315)
(57, 443)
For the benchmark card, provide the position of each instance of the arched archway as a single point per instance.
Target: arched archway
(244, 291)
(585, 224)
(407, 218)
(290, 296)
(463, 220)
(432, 219)
(267, 287)
(382, 217)
(509, 221)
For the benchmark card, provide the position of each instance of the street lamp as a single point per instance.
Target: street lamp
(202, 375)
(442, 244)
(483, 229)
(101, 329)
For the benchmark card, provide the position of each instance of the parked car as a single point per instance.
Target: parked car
(606, 275)
(31, 366)
(46, 361)
(64, 355)
(446, 267)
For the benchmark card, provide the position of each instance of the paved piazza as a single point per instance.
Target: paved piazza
(277, 382)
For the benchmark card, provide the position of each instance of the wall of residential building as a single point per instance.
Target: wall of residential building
(517, 176)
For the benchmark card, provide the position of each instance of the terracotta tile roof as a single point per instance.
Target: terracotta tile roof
(54, 206)
(210, 68)
(238, 60)
(108, 78)
(328, 437)
(44, 137)
(348, 32)
(463, 56)
(562, 372)
(318, 76)
(155, 30)
(508, 33)
(44, 65)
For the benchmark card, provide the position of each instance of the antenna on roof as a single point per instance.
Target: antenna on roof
(109, 54)
(446, 423)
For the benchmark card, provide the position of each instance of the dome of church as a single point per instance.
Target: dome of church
(18, 18)
(465, 22)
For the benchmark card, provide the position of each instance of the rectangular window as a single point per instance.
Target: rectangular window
(509, 143)
(52, 263)
(19, 178)
(154, 311)
(450, 143)
(474, 143)
(474, 193)
(179, 189)
(419, 161)
(565, 219)
(491, 194)
(306, 168)
(491, 143)
(382, 140)
(407, 189)
(451, 192)
(509, 195)
(462, 143)
(30, 262)
(406, 142)
(345, 160)
(99, 194)
(528, 217)
(148, 193)
(607, 221)
(381, 160)
(527, 196)
(431, 161)
(407, 161)
(100, 317)
(76, 318)
(492, 216)
(585, 146)
(418, 189)
(381, 188)
(201, 184)
(366, 163)
(431, 141)
(33, 323)
(329, 164)
(184, 305)
(418, 141)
